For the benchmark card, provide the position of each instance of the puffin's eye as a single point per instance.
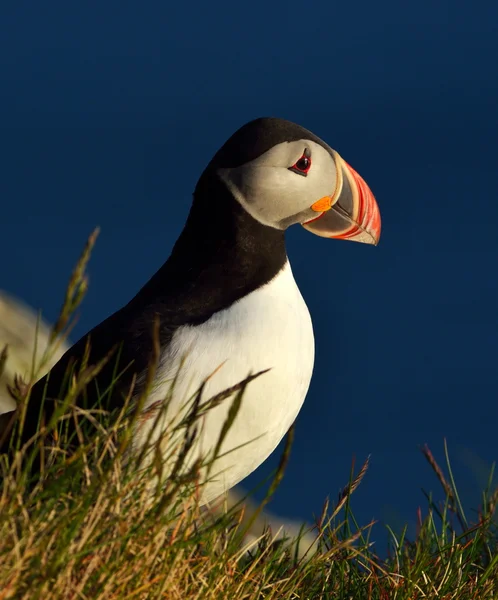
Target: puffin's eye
(303, 165)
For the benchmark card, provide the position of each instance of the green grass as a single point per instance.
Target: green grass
(91, 527)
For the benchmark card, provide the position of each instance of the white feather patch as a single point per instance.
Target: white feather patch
(268, 329)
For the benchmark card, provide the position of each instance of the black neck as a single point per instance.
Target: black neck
(221, 255)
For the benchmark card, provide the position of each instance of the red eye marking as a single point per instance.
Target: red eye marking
(303, 165)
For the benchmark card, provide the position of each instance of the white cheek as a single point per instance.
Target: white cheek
(257, 199)
(321, 184)
(263, 178)
(274, 192)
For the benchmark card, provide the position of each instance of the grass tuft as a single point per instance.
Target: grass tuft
(92, 526)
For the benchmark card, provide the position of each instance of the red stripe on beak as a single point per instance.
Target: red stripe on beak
(353, 214)
(368, 218)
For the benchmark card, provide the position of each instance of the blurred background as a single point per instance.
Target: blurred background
(110, 110)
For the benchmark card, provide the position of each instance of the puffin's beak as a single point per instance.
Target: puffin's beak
(350, 213)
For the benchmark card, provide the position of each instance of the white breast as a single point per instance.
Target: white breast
(268, 329)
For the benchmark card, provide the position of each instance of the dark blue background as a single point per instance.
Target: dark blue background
(110, 110)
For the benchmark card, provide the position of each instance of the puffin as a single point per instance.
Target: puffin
(226, 307)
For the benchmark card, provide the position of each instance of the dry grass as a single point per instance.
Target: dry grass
(90, 528)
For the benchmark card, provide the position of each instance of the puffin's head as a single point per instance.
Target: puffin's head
(283, 174)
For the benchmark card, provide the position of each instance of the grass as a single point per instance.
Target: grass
(91, 527)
